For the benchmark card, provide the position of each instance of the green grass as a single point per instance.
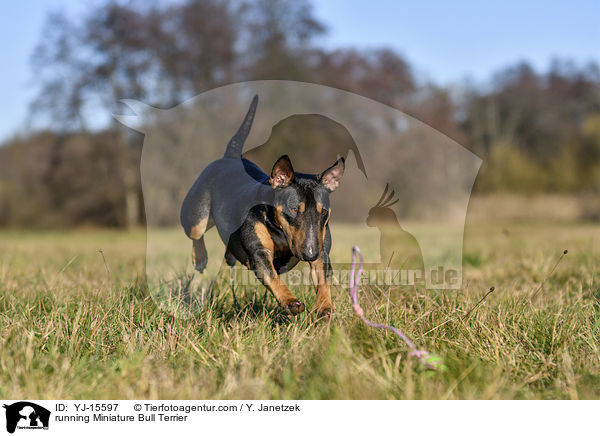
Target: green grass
(69, 329)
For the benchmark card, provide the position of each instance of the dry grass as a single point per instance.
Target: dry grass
(68, 329)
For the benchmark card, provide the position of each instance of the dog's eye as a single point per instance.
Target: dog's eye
(294, 211)
(324, 212)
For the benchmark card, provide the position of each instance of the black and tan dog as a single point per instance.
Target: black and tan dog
(268, 223)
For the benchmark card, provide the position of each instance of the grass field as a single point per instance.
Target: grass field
(69, 329)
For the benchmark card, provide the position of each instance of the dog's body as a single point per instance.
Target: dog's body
(267, 223)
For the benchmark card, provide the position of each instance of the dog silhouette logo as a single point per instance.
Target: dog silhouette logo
(26, 415)
(416, 230)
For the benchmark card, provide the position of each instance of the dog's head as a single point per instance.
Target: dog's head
(302, 205)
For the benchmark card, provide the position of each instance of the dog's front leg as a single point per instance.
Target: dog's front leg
(321, 275)
(262, 265)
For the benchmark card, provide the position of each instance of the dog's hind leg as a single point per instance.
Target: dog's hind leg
(231, 260)
(196, 220)
(199, 254)
(196, 234)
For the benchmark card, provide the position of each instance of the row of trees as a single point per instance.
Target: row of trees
(536, 131)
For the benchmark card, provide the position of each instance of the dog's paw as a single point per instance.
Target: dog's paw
(200, 267)
(295, 307)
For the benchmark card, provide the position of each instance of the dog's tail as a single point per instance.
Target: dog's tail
(236, 143)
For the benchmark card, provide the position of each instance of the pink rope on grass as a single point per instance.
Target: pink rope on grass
(421, 355)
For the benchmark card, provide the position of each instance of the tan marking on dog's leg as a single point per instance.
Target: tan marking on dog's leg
(284, 296)
(263, 235)
(324, 305)
(198, 230)
(280, 291)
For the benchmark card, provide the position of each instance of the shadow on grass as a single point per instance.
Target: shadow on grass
(220, 300)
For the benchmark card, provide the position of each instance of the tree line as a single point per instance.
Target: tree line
(537, 131)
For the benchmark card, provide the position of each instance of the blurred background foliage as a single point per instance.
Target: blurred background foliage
(538, 132)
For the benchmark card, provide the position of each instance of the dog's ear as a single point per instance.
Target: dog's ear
(331, 177)
(282, 174)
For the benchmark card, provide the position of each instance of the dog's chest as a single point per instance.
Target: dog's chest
(283, 262)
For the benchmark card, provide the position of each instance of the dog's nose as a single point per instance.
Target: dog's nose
(310, 253)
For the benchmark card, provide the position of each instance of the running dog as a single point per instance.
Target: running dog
(268, 223)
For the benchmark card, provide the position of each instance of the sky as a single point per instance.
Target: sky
(446, 42)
